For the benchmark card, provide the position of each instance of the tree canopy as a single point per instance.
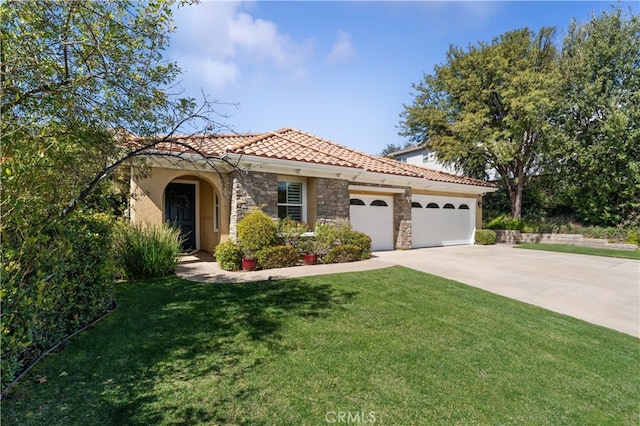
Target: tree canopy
(77, 78)
(598, 124)
(486, 108)
(527, 105)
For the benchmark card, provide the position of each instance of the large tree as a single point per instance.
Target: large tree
(599, 122)
(77, 78)
(487, 108)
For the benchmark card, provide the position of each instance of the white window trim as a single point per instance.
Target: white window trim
(296, 179)
(216, 211)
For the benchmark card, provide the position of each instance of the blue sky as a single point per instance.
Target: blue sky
(340, 70)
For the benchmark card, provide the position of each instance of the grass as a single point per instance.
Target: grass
(394, 345)
(567, 248)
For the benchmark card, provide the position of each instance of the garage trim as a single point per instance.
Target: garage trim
(362, 189)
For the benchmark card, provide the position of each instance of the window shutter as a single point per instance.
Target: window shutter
(294, 193)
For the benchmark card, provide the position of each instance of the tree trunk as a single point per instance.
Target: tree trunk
(515, 188)
(516, 202)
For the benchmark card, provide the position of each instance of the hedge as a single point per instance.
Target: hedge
(343, 253)
(56, 278)
(277, 257)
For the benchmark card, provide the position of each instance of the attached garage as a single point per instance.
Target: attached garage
(373, 215)
(442, 221)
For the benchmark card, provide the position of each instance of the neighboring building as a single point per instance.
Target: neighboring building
(293, 173)
(421, 156)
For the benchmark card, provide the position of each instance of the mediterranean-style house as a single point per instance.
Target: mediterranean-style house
(292, 173)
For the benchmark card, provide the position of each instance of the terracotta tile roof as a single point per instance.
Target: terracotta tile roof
(295, 145)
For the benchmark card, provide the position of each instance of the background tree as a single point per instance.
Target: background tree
(599, 122)
(392, 147)
(487, 108)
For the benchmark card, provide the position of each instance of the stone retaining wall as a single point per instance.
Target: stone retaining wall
(515, 237)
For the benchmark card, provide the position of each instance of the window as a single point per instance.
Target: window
(433, 206)
(463, 207)
(216, 212)
(379, 203)
(290, 200)
(449, 206)
(416, 205)
(356, 202)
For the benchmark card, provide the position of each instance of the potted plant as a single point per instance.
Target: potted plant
(255, 231)
(307, 246)
(249, 262)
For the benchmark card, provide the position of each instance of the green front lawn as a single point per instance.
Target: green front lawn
(394, 345)
(567, 248)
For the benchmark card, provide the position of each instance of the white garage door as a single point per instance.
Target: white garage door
(442, 221)
(373, 215)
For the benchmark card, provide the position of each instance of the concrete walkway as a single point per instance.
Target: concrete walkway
(600, 290)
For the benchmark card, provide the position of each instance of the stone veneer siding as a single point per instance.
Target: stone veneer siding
(402, 227)
(255, 189)
(332, 200)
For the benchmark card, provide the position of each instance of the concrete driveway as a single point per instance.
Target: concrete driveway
(600, 290)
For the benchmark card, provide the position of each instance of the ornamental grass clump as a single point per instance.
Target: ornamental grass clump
(147, 251)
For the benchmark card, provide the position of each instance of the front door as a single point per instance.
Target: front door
(180, 211)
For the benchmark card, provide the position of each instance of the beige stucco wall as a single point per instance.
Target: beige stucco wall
(147, 205)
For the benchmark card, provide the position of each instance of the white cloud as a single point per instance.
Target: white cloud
(219, 42)
(342, 48)
(216, 74)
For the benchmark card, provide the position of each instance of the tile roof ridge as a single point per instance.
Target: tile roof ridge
(251, 139)
(395, 163)
(280, 133)
(370, 156)
(446, 174)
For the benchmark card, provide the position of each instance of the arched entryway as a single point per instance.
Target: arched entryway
(194, 204)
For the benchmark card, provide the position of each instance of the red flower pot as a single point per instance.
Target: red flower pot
(249, 264)
(310, 259)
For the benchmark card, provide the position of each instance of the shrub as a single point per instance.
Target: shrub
(359, 239)
(256, 231)
(277, 257)
(307, 245)
(56, 278)
(485, 237)
(633, 237)
(329, 235)
(229, 256)
(342, 253)
(291, 230)
(147, 251)
(507, 223)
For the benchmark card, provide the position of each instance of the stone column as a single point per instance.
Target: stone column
(255, 189)
(402, 226)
